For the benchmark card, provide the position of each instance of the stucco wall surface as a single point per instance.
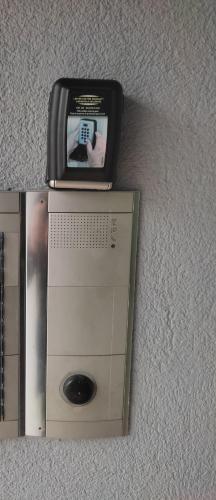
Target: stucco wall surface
(163, 53)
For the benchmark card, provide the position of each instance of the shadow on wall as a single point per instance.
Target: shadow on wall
(154, 152)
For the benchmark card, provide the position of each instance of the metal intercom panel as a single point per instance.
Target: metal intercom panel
(9, 314)
(76, 296)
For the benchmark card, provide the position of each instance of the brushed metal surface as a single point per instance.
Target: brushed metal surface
(134, 241)
(108, 373)
(10, 225)
(11, 320)
(35, 312)
(87, 201)
(84, 430)
(10, 222)
(11, 374)
(9, 202)
(93, 266)
(87, 331)
(9, 430)
(101, 186)
(92, 320)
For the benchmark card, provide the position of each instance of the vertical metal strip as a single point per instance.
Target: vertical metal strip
(134, 242)
(36, 312)
(1, 326)
(22, 316)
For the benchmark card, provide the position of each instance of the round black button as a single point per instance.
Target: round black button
(79, 389)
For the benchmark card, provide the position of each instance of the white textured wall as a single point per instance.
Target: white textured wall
(163, 52)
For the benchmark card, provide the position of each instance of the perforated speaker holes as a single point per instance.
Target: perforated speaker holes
(79, 231)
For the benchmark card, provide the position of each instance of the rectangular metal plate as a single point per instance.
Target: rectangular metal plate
(108, 373)
(9, 202)
(85, 201)
(91, 272)
(10, 227)
(35, 312)
(87, 320)
(97, 255)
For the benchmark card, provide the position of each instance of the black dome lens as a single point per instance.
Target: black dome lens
(79, 389)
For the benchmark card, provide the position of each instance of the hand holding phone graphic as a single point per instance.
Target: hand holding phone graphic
(96, 156)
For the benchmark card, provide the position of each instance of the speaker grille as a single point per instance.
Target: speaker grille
(79, 231)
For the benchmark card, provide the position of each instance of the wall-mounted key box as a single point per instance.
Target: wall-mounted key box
(84, 127)
(67, 283)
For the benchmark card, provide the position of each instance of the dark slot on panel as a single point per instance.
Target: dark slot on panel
(1, 326)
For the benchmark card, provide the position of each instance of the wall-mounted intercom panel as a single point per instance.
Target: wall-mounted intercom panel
(77, 281)
(9, 314)
(89, 264)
